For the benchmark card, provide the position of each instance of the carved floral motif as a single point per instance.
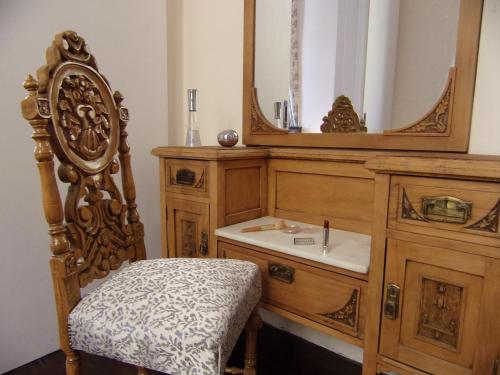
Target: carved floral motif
(73, 47)
(84, 117)
(342, 118)
(407, 211)
(489, 223)
(347, 314)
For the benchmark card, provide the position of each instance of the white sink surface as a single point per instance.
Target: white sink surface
(347, 250)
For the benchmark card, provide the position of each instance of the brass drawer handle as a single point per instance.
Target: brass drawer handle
(391, 306)
(204, 243)
(185, 177)
(496, 366)
(281, 272)
(446, 209)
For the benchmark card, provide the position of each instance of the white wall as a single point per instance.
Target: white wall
(213, 56)
(128, 39)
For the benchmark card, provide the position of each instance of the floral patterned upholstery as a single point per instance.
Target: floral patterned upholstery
(179, 316)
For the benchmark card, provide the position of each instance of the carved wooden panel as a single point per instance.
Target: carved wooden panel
(76, 116)
(440, 309)
(342, 118)
(187, 228)
(188, 238)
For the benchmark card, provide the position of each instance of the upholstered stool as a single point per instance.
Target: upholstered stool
(169, 314)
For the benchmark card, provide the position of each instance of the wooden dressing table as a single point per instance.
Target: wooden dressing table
(429, 301)
(444, 320)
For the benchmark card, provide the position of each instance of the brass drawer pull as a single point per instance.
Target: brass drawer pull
(185, 177)
(496, 366)
(391, 306)
(281, 272)
(446, 209)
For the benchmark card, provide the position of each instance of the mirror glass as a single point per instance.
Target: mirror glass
(390, 57)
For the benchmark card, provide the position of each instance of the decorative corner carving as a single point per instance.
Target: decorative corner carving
(342, 118)
(437, 120)
(259, 124)
(440, 309)
(348, 313)
(489, 223)
(407, 211)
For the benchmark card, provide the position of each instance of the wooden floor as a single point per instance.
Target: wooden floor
(279, 353)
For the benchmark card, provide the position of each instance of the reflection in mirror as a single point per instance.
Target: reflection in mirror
(391, 58)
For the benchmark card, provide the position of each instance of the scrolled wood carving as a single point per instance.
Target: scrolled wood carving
(348, 313)
(437, 120)
(75, 115)
(342, 118)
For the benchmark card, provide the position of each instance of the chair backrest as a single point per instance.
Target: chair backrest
(75, 116)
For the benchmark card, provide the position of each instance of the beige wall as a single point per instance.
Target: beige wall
(129, 41)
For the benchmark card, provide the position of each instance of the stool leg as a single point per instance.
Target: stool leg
(72, 362)
(252, 328)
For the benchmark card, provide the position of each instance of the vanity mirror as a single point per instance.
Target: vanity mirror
(360, 74)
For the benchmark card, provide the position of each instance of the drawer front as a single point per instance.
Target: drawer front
(187, 176)
(453, 209)
(322, 296)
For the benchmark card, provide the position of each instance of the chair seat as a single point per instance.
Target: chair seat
(179, 316)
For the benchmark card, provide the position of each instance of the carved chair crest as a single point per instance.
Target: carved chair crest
(75, 115)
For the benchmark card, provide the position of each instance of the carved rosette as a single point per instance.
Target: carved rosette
(407, 210)
(437, 120)
(348, 313)
(489, 223)
(342, 118)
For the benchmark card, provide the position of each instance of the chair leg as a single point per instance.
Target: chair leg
(252, 328)
(141, 371)
(72, 362)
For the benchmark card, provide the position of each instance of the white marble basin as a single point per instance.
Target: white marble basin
(347, 250)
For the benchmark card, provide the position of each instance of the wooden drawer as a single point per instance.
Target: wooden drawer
(321, 296)
(455, 209)
(187, 176)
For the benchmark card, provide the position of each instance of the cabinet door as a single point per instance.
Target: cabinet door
(187, 228)
(443, 321)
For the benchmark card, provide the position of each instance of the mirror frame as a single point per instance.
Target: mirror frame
(257, 130)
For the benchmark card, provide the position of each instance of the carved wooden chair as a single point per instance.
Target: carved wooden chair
(180, 316)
